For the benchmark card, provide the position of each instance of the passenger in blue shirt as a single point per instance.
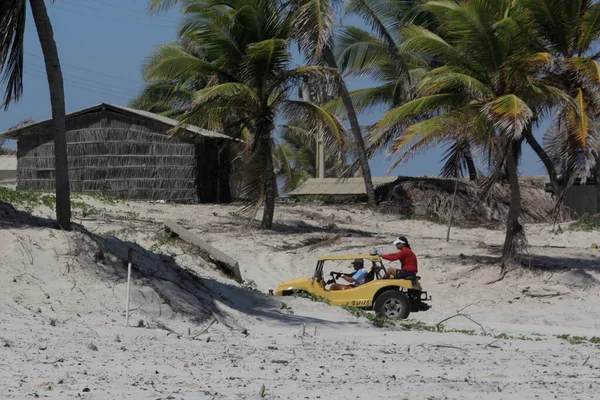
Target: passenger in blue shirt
(355, 279)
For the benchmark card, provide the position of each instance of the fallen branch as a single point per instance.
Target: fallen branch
(503, 272)
(207, 328)
(446, 346)
(491, 344)
(586, 360)
(164, 327)
(544, 295)
(460, 314)
(282, 362)
(53, 362)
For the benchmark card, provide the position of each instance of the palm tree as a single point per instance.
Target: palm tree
(568, 31)
(12, 32)
(486, 90)
(313, 30)
(239, 79)
(378, 55)
(314, 34)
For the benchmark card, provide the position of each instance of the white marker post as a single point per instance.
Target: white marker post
(129, 259)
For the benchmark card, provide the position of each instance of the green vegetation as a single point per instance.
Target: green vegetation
(26, 199)
(85, 208)
(162, 238)
(312, 297)
(587, 223)
(284, 307)
(375, 319)
(29, 199)
(416, 325)
(579, 339)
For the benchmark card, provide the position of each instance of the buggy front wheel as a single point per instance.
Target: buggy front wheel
(392, 304)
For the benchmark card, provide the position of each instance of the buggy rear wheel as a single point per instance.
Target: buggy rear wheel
(392, 304)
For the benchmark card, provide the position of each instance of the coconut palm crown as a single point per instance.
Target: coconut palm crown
(235, 70)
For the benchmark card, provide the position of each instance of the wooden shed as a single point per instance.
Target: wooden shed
(127, 153)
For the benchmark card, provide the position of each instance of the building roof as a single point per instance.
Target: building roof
(14, 133)
(337, 187)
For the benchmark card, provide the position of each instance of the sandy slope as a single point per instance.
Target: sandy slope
(63, 298)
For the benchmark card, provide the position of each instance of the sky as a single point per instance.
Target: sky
(102, 47)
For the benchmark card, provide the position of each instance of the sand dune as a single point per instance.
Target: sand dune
(202, 335)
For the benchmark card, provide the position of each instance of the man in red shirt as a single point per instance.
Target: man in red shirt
(407, 258)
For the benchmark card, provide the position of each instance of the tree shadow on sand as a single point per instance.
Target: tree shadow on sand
(187, 293)
(301, 227)
(584, 270)
(197, 297)
(13, 218)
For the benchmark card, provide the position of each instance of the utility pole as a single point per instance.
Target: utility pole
(320, 167)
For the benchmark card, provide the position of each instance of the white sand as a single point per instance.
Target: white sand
(8, 163)
(60, 302)
(8, 171)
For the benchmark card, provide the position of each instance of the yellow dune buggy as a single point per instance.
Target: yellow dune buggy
(392, 298)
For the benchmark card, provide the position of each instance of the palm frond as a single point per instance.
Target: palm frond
(172, 62)
(577, 119)
(586, 67)
(321, 121)
(285, 169)
(318, 76)
(422, 136)
(431, 45)
(227, 93)
(383, 17)
(12, 34)
(313, 24)
(509, 114)
(157, 6)
(365, 99)
(435, 130)
(419, 107)
(162, 97)
(590, 28)
(359, 51)
(264, 61)
(550, 18)
(454, 158)
(450, 79)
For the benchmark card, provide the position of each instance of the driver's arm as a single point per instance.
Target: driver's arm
(348, 278)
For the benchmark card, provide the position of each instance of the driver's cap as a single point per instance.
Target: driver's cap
(358, 261)
(401, 240)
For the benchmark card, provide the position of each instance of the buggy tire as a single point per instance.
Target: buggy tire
(392, 304)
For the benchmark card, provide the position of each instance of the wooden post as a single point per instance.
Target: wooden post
(129, 259)
(453, 199)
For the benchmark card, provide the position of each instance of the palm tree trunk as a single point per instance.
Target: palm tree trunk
(471, 166)
(355, 127)
(57, 99)
(270, 183)
(514, 230)
(598, 181)
(539, 150)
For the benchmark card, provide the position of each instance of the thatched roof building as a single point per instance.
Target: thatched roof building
(338, 186)
(127, 153)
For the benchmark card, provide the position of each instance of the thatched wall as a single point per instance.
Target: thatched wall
(431, 198)
(116, 154)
